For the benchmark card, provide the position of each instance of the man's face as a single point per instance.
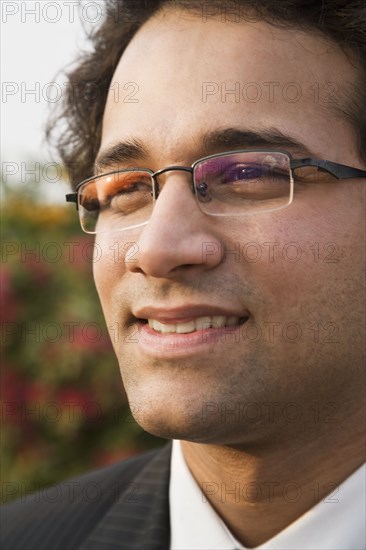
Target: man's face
(296, 274)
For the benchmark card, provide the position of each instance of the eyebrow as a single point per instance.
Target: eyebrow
(231, 138)
(121, 153)
(130, 151)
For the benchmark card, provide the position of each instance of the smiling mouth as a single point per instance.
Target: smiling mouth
(194, 325)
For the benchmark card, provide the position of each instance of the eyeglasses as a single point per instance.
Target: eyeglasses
(235, 183)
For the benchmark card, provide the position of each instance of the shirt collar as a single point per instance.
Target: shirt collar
(335, 523)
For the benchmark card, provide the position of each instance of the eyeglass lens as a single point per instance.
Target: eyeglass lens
(229, 184)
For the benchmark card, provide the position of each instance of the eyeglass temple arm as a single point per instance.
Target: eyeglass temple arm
(72, 197)
(340, 171)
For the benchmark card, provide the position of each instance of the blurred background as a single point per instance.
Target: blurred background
(63, 407)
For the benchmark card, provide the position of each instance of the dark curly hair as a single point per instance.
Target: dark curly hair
(81, 113)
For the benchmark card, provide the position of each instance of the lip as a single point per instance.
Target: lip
(166, 346)
(197, 343)
(183, 314)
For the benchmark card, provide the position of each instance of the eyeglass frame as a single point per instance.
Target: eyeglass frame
(339, 171)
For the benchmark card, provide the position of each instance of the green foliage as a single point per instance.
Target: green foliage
(64, 410)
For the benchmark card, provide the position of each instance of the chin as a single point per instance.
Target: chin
(181, 420)
(168, 420)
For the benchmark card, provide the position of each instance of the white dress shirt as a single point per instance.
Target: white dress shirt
(338, 525)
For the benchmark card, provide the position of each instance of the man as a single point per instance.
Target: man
(233, 287)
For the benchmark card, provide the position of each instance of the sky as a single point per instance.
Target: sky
(38, 40)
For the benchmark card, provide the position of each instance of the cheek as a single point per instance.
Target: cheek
(305, 257)
(108, 266)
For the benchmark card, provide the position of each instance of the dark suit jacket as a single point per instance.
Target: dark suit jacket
(124, 506)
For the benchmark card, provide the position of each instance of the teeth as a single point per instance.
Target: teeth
(184, 328)
(160, 327)
(219, 320)
(201, 323)
(232, 321)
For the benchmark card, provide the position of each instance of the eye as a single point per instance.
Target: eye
(129, 199)
(240, 172)
(123, 186)
(89, 203)
(248, 172)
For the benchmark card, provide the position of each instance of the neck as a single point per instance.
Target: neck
(278, 484)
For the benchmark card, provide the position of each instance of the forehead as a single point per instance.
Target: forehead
(181, 77)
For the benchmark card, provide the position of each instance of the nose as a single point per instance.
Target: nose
(178, 235)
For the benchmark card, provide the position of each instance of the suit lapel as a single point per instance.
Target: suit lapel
(139, 520)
